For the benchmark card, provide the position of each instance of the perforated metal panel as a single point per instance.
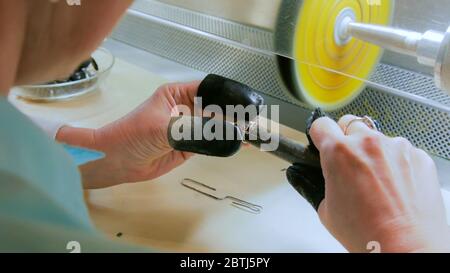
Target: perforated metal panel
(410, 82)
(251, 36)
(427, 127)
(197, 51)
(411, 106)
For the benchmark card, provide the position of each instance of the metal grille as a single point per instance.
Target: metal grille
(251, 36)
(411, 82)
(425, 125)
(201, 53)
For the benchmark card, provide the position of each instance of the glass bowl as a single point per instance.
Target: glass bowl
(68, 90)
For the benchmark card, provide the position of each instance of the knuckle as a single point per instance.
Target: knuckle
(346, 118)
(318, 123)
(170, 88)
(163, 90)
(165, 87)
(338, 147)
(424, 157)
(372, 144)
(402, 142)
(346, 153)
(371, 141)
(420, 153)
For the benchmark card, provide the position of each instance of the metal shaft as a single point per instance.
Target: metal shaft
(430, 48)
(288, 150)
(424, 46)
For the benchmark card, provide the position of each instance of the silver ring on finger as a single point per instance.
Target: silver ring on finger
(368, 121)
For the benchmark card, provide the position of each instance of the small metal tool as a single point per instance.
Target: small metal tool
(215, 194)
(223, 92)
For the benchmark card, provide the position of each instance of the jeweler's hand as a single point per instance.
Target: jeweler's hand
(377, 189)
(136, 146)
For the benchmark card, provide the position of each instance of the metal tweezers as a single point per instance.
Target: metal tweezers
(213, 193)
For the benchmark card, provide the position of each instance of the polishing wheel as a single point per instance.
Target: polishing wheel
(330, 67)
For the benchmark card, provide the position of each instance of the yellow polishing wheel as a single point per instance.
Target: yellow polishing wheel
(330, 70)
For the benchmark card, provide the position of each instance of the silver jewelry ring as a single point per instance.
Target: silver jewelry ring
(368, 121)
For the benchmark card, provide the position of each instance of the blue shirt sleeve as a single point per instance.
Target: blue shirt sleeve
(41, 198)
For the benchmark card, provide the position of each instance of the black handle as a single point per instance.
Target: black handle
(223, 92)
(291, 151)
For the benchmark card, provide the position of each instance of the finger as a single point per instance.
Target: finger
(324, 129)
(343, 121)
(351, 126)
(184, 93)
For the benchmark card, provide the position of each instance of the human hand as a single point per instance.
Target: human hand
(136, 146)
(377, 189)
